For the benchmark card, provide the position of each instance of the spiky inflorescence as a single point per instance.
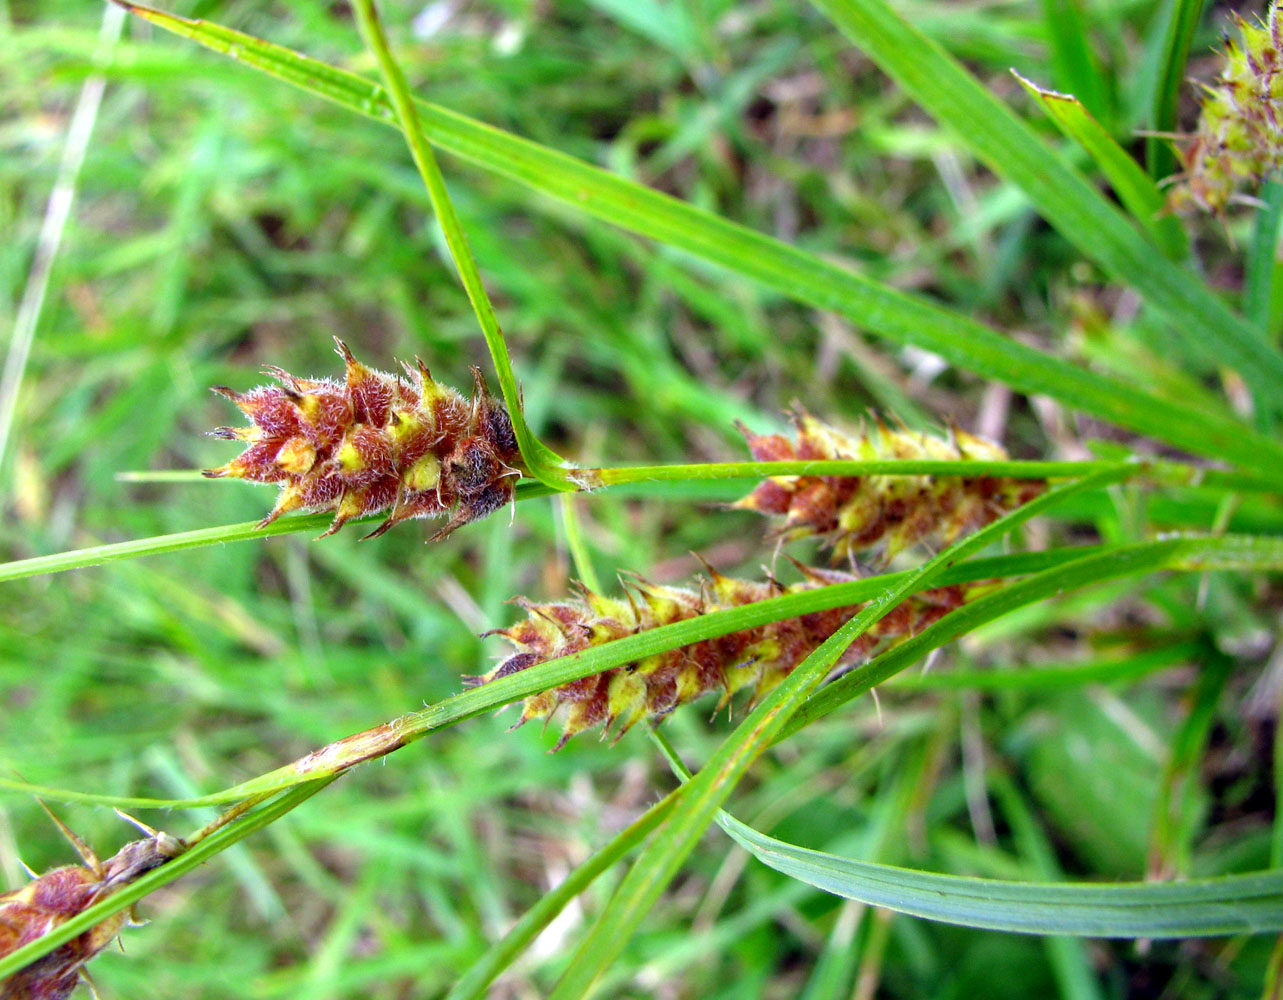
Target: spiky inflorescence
(49, 901)
(376, 442)
(1239, 140)
(880, 514)
(756, 658)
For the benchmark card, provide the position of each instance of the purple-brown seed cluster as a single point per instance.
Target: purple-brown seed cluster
(881, 514)
(376, 442)
(49, 901)
(756, 659)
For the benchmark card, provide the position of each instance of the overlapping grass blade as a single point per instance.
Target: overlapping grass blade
(1200, 552)
(1010, 148)
(474, 982)
(792, 272)
(343, 753)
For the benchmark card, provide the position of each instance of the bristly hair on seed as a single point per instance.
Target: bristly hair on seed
(756, 659)
(877, 516)
(376, 442)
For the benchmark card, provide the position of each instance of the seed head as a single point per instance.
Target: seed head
(756, 659)
(1239, 139)
(881, 514)
(49, 901)
(376, 442)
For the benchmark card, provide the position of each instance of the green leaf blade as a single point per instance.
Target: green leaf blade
(1235, 904)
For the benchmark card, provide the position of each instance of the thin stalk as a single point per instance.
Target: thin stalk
(543, 463)
(1168, 473)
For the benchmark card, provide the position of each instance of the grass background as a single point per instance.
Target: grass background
(224, 222)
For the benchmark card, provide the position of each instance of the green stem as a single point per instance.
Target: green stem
(543, 463)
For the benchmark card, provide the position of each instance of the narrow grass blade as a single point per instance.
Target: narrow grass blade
(788, 270)
(51, 230)
(474, 982)
(98, 555)
(1061, 194)
(1049, 677)
(1182, 21)
(1135, 189)
(1198, 553)
(1250, 903)
(1232, 904)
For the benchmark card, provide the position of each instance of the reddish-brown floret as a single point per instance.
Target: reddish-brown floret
(756, 659)
(884, 514)
(376, 442)
(51, 900)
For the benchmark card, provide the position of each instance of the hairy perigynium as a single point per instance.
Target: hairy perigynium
(756, 658)
(880, 514)
(1239, 140)
(55, 897)
(376, 442)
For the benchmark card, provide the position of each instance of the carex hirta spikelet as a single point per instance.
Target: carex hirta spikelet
(376, 442)
(49, 901)
(880, 514)
(756, 659)
(1239, 139)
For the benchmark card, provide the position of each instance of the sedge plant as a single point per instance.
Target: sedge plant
(1087, 762)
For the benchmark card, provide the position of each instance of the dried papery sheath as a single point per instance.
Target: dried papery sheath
(1239, 140)
(49, 901)
(376, 442)
(880, 515)
(756, 659)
